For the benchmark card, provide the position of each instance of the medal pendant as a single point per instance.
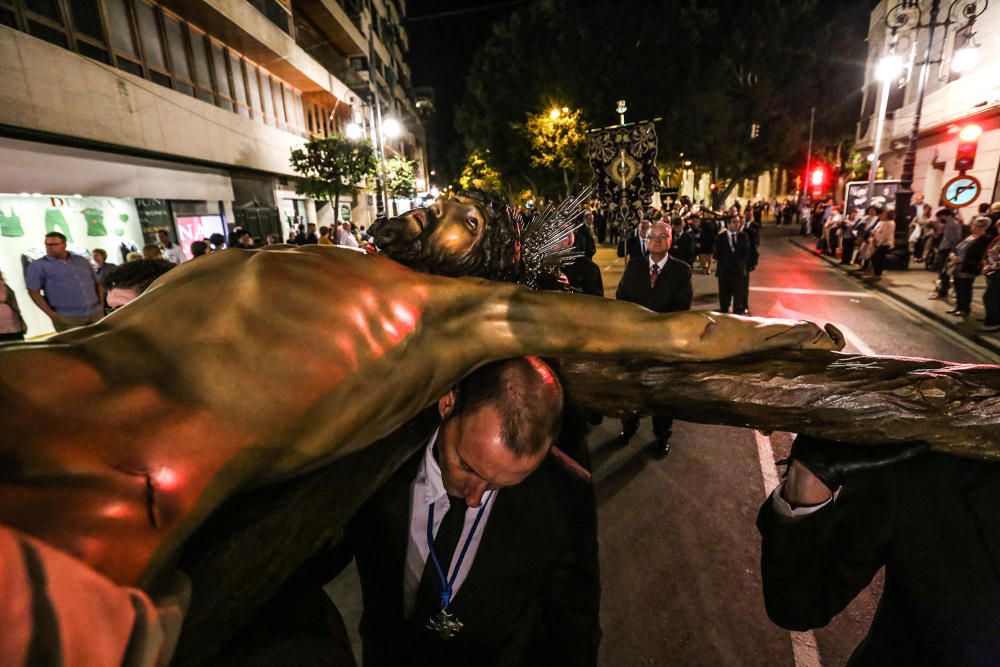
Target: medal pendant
(445, 624)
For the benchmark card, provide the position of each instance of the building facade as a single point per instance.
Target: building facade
(952, 100)
(122, 117)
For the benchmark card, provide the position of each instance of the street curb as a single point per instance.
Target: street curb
(989, 344)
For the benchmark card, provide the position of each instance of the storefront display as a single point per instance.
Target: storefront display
(87, 222)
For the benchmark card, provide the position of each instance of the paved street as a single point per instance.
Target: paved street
(679, 550)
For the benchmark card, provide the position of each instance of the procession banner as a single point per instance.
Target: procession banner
(623, 158)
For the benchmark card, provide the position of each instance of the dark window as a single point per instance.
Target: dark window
(91, 51)
(8, 17)
(49, 34)
(120, 27)
(128, 66)
(149, 36)
(47, 8)
(87, 18)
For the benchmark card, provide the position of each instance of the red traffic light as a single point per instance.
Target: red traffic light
(713, 186)
(968, 142)
(818, 177)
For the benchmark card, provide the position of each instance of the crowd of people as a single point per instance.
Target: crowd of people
(958, 250)
(74, 291)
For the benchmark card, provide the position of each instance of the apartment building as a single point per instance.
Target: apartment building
(955, 97)
(122, 117)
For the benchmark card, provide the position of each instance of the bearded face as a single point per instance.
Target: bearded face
(446, 238)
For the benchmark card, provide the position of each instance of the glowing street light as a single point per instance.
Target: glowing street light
(965, 58)
(354, 131)
(391, 128)
(554, 113)
(889, 68)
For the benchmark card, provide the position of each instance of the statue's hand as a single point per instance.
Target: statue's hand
(805, 335)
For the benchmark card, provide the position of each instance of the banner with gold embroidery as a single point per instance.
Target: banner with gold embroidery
(625, 176)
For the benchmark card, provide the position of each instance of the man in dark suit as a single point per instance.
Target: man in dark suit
(635, 243)
(930, 520)
(752, 230)
(684, 245)
(732, 258)
(483, 512)
(663, 284)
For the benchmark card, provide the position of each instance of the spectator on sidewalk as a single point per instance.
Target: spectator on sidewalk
(171, 251)
(847, 236)
(921, 231)
(882, 240)
(100, 257)
(708, 229)
(950, 235)
(12, 325)
(324, 236)
(991, 299)
(966, 262)
(64, 286)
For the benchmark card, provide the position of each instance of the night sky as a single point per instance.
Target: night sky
(441, 50)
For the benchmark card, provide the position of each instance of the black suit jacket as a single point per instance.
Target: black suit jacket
(672, 291)
(633, 246)
(934, 523)
(684, 247)
(531, 596)
(732, 261)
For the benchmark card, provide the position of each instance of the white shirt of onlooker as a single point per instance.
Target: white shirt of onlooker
(346, 238)
(173, 253)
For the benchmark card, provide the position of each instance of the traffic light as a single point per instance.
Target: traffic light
(818, 177)
(968, 142)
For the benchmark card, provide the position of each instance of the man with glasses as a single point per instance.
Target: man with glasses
(663, 284)
(64, 286)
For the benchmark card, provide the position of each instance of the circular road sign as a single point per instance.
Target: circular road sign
(961, 191)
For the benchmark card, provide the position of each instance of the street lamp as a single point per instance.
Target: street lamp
(554, 113)
(354, 131)
(889, 68)
(391, 127)
(909, 15)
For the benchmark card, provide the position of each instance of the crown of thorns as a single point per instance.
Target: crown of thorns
(529, 250)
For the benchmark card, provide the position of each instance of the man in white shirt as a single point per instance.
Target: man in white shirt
(172, 252)
(344, 235)
(481, 548)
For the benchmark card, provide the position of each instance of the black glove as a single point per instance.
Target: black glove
(833, 462)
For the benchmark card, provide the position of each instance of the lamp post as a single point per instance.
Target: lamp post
(897, 19)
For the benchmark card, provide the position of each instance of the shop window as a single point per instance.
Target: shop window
(239, 84)
(87, 19)
(222, 86)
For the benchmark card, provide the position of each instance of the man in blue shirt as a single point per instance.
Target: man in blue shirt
(64, 286)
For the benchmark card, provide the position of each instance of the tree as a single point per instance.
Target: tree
(399, 178)
(709, 68)
(479, 174)
(558, 141)
(329, 167)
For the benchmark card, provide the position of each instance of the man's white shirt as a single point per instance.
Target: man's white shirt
(428, 488)
(173, 253)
